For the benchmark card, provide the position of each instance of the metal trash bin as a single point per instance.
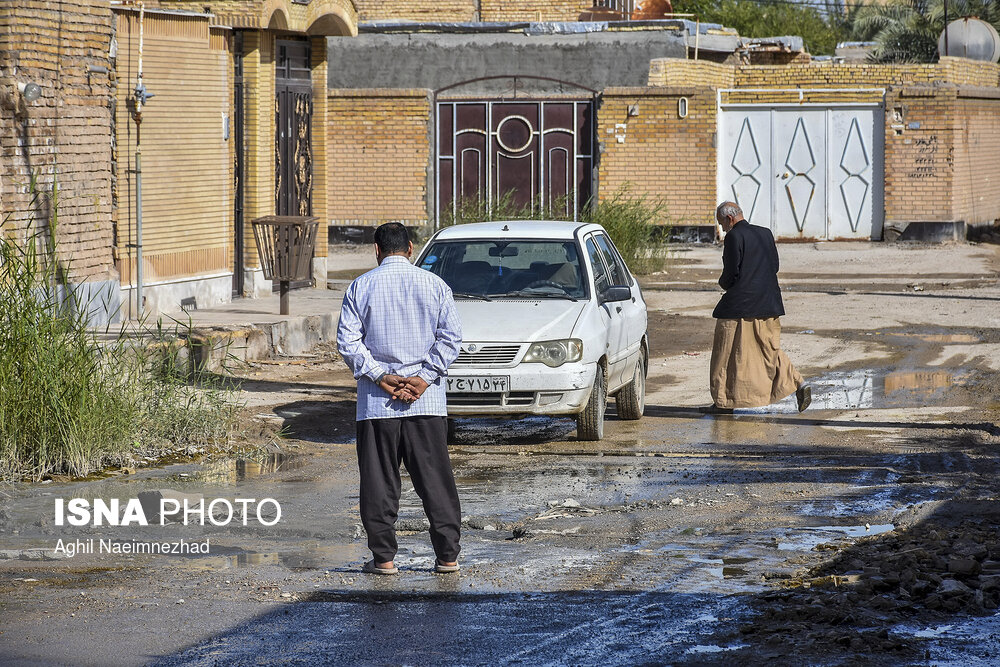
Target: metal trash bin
(285, 245)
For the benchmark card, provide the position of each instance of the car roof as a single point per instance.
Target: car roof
(517, 229)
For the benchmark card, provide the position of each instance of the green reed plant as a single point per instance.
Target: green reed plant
(631, 220)
(73, 399)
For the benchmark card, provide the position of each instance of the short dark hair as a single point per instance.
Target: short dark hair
(392, 237)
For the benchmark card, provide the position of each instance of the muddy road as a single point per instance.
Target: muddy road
(865, 530)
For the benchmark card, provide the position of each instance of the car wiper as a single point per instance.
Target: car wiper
(470, 295)
(532, 294)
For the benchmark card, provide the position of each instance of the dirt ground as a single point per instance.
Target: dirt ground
(862, 531)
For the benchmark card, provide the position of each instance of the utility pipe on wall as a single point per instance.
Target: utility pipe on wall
(140, 95)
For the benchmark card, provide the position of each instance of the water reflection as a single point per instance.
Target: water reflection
(233, 470)
(871, 388)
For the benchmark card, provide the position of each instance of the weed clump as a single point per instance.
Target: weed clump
(630, 219)
(72, 399)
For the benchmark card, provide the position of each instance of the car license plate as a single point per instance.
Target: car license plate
(479, 384)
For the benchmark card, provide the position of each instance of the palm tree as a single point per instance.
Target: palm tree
(908, 30)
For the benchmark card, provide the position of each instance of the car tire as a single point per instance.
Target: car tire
(590, 422)
(631, 399)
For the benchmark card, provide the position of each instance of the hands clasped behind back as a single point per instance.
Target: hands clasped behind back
(407, 389)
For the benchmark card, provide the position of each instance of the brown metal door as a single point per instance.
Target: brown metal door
(293, 129)
(293, 132)
(537, 153)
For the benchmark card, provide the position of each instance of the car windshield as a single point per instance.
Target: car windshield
(526, 269)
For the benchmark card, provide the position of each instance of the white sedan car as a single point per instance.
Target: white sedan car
(553, 322)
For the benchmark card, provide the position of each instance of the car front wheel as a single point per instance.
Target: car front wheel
(590, 422)
(631, 400)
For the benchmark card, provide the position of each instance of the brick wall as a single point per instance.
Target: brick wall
(187, 197)
(320, 164)
(379, 152)
(959, 71)
(918, 155)
(532, 10)
(417, 10)
(64, 137)
(682, 72)
(472, 10)
(976, 160)
(317, 17)
(258, 100)
(941, 154)
(658, 153)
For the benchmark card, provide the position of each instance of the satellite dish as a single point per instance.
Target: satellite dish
(971, 38)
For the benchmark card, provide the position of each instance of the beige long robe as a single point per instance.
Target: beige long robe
(748, 367)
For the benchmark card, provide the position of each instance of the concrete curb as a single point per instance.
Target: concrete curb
(212, 348)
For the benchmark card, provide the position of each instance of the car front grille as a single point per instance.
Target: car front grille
(491, 399)
(488, 355)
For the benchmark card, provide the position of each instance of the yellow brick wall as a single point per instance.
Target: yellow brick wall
(532, 10)
(64, 137)
(299, 17)
(417, 10)
(379, 150)
(683, 72)
(959, 71)
(320, 189)
(976, 161)
(919, 155)
(187, 197)
(661, 154)
(258, 84)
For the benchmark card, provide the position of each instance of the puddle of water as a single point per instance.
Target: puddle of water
(723, 567)
(967, 643)
(868, 388)
(710, 648)
(229, 471)
(944, 339)
(809, 537)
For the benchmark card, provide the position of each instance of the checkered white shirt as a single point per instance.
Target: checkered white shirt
(399, 319)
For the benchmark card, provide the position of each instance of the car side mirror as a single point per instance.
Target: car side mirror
(618, 293)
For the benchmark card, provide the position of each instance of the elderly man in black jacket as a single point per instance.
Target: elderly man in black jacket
(748, 367)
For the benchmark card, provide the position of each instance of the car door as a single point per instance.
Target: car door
(611, 315)
(633, 310)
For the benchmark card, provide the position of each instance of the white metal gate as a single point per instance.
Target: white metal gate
(806, 171)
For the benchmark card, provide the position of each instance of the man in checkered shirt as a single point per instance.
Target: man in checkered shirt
(399, 331)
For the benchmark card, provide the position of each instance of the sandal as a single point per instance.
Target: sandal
(371, 568)
(440, 568)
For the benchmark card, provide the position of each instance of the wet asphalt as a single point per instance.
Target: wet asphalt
(664, 544)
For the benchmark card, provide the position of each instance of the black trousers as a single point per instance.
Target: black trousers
(421, 444)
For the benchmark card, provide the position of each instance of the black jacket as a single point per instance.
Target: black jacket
(749, 275)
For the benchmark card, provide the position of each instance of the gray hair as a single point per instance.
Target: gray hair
(728, 209)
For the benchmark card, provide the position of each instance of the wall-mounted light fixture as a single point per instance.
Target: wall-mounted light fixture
(29, 91)
(682, 107)
(633, 110)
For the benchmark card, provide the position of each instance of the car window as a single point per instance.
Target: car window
(487, 267)
(622, 267)
(601, 279)
(619, 276)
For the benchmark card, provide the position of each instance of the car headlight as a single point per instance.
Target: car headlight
(555, 352)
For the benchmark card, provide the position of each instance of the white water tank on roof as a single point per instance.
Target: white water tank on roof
(971, 38)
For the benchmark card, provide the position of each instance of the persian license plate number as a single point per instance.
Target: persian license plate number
(480, 384)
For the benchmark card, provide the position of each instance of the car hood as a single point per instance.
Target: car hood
(518, 321)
